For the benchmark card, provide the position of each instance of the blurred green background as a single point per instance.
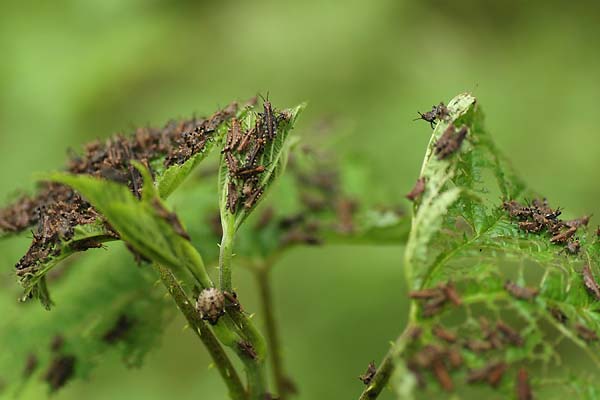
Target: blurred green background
(73, 71)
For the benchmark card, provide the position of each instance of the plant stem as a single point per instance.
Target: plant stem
(255, 374)
(235, 324)
(255, 366)
(248, 330)
(220, 358)
(226, 253)
(282, 382)
(384, 371)
(225, 330)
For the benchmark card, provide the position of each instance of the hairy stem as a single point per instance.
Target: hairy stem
(248, 330)
(234, 327)
(282, 382)
(226, 253)
(225, 330)
(255, 364)
(256, 380)
(220, 358)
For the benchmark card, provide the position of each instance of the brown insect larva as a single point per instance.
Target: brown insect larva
(417, 190)
(520, 292)
(367, 377)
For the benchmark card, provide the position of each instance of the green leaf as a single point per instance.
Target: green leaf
(462, 234)
(273, 158)
(144, 224)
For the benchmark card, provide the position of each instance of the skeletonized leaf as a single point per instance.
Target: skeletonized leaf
(507, 289)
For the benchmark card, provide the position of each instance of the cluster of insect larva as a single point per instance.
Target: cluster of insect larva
(57, 209)
(242, 155)
(192, 141)
(444, 356)
(177, 141)
(538, 217)
(56, 216)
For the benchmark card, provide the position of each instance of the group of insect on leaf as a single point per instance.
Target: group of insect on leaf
(242, 152)
(535, 217)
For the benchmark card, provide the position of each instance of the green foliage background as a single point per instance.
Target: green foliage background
(74, 71)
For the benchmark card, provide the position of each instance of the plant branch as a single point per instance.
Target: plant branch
(234, 328)
(220, 358)
(226, 253)
(282, 382)
(227, 330)
(237, 320)
(255, 363)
